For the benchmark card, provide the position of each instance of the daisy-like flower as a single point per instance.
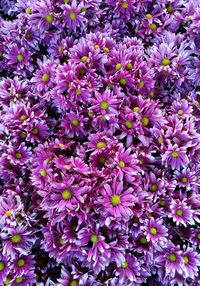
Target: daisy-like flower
(124, 8)
(181, 108)
(186, 178)
(175, 156)
(74, 15)
(10, 205)
(22, 264)
(191, 263)
(117, 201)
(155, 231)
(24, 279)
(19, 56)
(4, 268)
(74, 125)
(181, 212)
(170, 258)
(19, 155)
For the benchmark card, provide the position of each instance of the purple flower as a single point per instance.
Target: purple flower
(181, 212)
(18, 56)
(191, 263)
(175, 156)
(155, 231)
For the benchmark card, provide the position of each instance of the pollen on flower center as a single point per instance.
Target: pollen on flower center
(165, 62)
(35, 131)
(180, 112)
(46, 77)
(136, 109)
(175, 154)
(75, 122)
(19, 279)
(115, 200)
(28, 10)
(62, 241)
(141, 84)
(184, 180)
(170, 9)
(104, 105)
(148, 16)
(20, 57)
(153, 26)
(18, 155)
(101, 145)
(121, 164)
(172, 257)
(128, 124)
(72, 15)
(84, 59)
(78, 91)
(94, 238)
(153, 230)
(124, 265)
(23, 117)
(129, 66)
(102, 160)
(124, 5)
(43, 172)
(49, 18)
(123, 81)
(154, 187)
(2, 265)
(186, 260)
(21, 262)
(143, 240)
(74, 283)
(8, 213)
(198, 235)
(179, 212)
(145, 121)
(118, 66)
(67, 194)
(16, 238)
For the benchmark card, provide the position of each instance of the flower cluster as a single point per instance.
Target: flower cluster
(99, 142)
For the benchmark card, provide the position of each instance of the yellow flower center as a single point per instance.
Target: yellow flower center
(19, 279)
(84, 59)
(165, 62)
(49, 18)
(8, 213)
(154, 187)
(101, 145)
(27, 36)
(18, 155)
(160, 139)
(145, 121)
(175, 154)
(118, 66)
(35, 131)
(179, 212)
(43, 172)
(148, 16)
(141, 84)
(16, 238)
(67, 194)
(78, 91)
(104, 105)
(74, 283)
(106, 50)
(115, 200)
(162, 203)
(7, 281)
(129, 66)
(136, 109)
(184, 179)
(46, 77)
(128, 124)
(153, 230)
(123, 81)
(94, 238)
(73, 16)
(180, 112)
(2, 265)
(96, 47)
(170, 9)
(143, 240)
(124, 5)
(172, 257)
(102, 160)
(186, 260)
(121, 164)
(23, 117)
(75, 122)
(62, 241)
(153, 26)
(28, 10)
(198, 235)
(21, 262)
(124, 265)
(20, 57)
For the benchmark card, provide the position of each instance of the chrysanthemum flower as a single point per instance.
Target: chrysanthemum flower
(155, 231)
(4, 268)
(175, 156)
(181, 212)
(19, 56)
(191, 263)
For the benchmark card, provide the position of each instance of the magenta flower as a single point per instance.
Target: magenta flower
(155, 231)
(191, 263)
(19, 56)
(181, 212)
(175, 156)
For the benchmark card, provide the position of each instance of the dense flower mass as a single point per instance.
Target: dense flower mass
(99, 142)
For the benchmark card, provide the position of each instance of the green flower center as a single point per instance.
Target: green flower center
(148, 16)
(160, 139)
(141, 84)
(28, 36)
(136, 109)
(175, 154)
(7, 281)
(16, 238)
(28, 10)
(73, 16)
(118, 66)
(143, 240)
(94, 238)
(43, 172)
(18, 155)
(165, 62)
(184, 180)
(186, 260)
(179, 212)
(102, 160)
(46, 77)
(67, 194)
(84, 59)
(128, 124)
(115, 200)
(162, 203)
(172, 257)
(35, 131)
(21, 262)
(153, 26)
(124, 5)
(75, 122)
(96, 47)
(104, 105)
(2, 265)
(124, 265)
(106, 50)
(49, 18)
(180, 112)
(121, 164)
(60, 49)
(101, 145)
(153, 230)
(8, 213)
(198, 235)
(154, 187)
(62, 241)
(74, 283)
(23, 117)
(78, 91)
(20, 57)
(123, 81)
(19, 279)
(129, 66)
(145, 121)
(170, 9)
